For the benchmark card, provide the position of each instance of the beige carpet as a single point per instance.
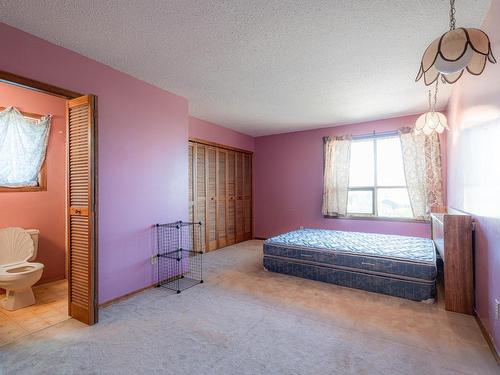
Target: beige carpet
(245, 320)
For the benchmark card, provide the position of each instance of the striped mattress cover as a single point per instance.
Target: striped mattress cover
(389, 264)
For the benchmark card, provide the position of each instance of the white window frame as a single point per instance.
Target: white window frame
(375, 187)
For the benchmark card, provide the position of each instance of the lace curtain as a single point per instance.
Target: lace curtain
(23, 144)
(337, 154)
(422, 163)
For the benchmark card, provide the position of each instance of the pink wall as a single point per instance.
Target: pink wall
(289, 182)
(143, 134)
(474, 170)
(44, 210)
(209, 131)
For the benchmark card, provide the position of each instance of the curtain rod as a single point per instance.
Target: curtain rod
(375, 134)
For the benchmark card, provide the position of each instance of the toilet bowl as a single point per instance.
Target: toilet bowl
(17, 273)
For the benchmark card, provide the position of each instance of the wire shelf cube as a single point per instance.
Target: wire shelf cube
(179, 255)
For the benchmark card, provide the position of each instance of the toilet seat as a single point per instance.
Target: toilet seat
(15, 270)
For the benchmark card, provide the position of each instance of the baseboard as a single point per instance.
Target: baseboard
(125, 296)
(260, 238)
(488, 338)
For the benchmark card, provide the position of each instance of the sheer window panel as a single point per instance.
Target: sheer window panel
(23, 145)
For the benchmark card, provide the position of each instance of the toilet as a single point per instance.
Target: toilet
(18, 247)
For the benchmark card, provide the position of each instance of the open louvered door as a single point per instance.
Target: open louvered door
(221, 198)
(247, 196)
(211, 185)
(81, 225)
(239, 198)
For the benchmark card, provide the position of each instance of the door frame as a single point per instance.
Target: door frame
(39, 86)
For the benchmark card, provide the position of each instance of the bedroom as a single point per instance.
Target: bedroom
(265, 83)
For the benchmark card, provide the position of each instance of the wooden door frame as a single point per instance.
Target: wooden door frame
(39, 86)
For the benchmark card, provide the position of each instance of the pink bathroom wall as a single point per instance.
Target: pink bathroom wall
(289, 182)
(44, 210)
(209, 131)
(474, 170)
(143, 132)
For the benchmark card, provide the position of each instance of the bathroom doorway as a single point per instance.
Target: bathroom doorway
(80, 194)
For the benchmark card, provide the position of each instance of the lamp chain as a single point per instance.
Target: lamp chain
(452, 14)
(436, 95)
(432, 104)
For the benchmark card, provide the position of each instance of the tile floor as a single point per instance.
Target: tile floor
(51, 308)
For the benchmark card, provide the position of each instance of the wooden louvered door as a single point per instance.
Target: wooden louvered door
(221, 198)
(240, 235)
(81, 224)
(247, 196)
(230, 198)
(200, 188)
(211, 185)
(192, 205)
(220, 193)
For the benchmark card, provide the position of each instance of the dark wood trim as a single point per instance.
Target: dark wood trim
(260, 238)
(32, 84)
(214, 144)
(487, 337)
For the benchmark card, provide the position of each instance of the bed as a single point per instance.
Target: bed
(394, 265)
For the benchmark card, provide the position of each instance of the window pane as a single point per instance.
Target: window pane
(390, 170)
(360, 202)
(393, 203)
(361, 171)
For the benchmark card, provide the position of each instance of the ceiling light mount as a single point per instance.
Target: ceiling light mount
(453, 52)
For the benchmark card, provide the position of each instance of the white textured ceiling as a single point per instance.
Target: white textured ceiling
(259, 66)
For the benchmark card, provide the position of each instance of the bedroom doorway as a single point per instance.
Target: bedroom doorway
(80, 194)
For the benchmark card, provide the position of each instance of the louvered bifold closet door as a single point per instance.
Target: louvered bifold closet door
(230, 198)
(211, 184)
(221, 197)
(247, 196)
(239, 198)
(200, 189)
(192, 205)
(81, 211)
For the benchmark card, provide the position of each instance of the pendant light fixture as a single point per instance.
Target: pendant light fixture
(453, 52)
(431, 121)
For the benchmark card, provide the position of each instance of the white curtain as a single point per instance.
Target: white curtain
(23, 144)
(422, 163)
(337, 154)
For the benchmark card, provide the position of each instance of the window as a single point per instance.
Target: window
(23, 144)
(377, 183)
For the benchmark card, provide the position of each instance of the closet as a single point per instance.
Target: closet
(220, 193)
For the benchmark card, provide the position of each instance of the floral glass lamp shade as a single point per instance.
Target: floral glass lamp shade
(455, 51)
(431, 122)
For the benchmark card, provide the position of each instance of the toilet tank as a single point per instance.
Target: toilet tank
(34, 236)
(17, 245)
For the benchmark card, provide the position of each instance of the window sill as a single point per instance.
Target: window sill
(22, 189)
(379, 218)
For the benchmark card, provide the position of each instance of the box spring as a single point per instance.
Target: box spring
(394, 265)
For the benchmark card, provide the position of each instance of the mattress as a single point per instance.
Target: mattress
(395, 265)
